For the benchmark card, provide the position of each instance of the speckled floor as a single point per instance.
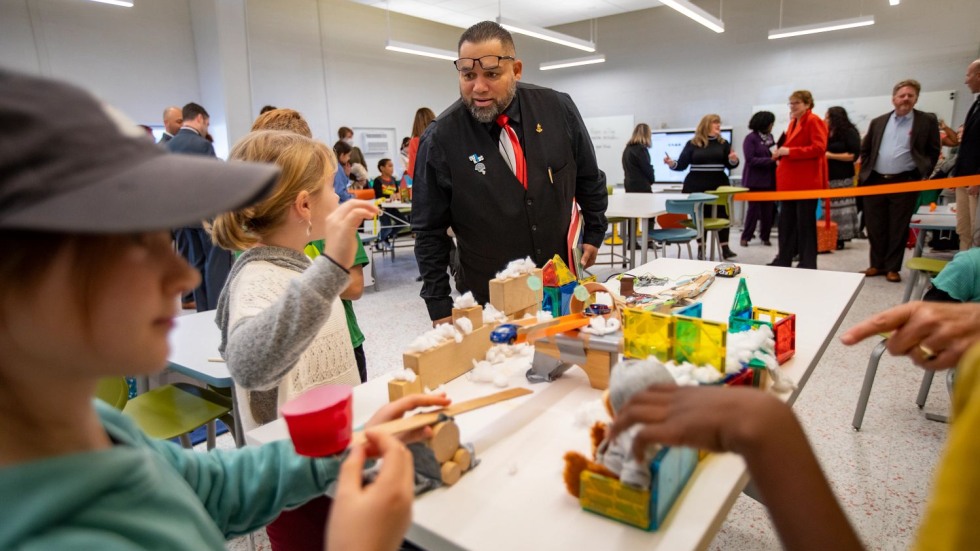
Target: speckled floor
(881, 474)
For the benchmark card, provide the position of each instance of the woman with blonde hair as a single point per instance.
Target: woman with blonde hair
(708, 155)
(637, 169)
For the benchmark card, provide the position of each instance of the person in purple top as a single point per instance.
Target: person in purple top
(759, 174)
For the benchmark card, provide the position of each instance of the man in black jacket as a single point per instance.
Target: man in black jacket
(501, 168)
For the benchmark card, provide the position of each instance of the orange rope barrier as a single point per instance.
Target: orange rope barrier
(860, 191)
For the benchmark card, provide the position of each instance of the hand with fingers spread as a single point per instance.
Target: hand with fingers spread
(398, 408)
(933, 334)
(343, 223)
(373, 517)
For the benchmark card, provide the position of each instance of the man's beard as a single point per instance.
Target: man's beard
(490, 112)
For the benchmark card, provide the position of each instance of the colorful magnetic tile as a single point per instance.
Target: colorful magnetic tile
(742, 305)
(692, 311)
(784, 330)
(669, 473)
(647, 334)
(737, 325)
(700, 342)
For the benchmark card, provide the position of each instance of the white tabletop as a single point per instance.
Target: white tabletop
(639, 205)
(193, 341)
(516, 499)
(940, 209)
(933, 221)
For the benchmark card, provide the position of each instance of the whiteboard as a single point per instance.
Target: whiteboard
(862, 110)
(609, 136)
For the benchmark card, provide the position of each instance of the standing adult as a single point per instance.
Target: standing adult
(759, 174)
(843, 148)
(637, 169)
(968, 155)
(172, 120)
(423, 117)
(708, 155)
(900, 146)
(193, 242)
(503, 167)
(802, 165)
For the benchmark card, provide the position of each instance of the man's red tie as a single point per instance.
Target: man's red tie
(510, 148)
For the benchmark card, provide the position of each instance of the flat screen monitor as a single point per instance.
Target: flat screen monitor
(672, 142)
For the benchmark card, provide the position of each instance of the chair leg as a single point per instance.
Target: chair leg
(927, 376)
(690, 253)
(913, 278)
(185, 441)
(212, 436)
(869, 379)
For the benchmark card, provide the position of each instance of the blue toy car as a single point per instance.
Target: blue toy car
(597, 310)
(504, 334)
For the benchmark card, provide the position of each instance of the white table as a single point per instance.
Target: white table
(644, 206)
(194, 343)
(516, 499)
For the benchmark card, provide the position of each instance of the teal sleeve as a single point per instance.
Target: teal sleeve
(246, 489)
(959, 277)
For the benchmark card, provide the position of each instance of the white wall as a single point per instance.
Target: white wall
(668, 71)
(326, 58)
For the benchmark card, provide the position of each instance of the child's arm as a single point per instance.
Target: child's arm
(766, 433)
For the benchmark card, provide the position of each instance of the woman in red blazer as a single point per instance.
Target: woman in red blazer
(802, 164)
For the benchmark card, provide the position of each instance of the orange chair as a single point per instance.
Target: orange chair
(365, 194)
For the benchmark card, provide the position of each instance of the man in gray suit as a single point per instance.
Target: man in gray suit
(172, 120)
(901, 146)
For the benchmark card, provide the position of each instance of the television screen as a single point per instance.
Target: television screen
(672, 142)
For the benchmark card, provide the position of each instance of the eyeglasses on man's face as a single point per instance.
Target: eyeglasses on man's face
(487, 62)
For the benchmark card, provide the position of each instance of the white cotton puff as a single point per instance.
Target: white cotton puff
(589, 413)
(602, 326)
(544, 315)
(516, 268)
(433, 338)
(465, 301)
(492, 315)
(404, 375)
(465, 325)
(705, 375)
(500, 379)
(603, 298)
(743, 346)
(631, 376)
(482, 372)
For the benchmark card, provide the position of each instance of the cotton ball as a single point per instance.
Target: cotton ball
(482, 372)
(465, 301)
(590, 413)
(500, 379)
(458, 337)
(706, 375)
(544, 315)
(492, 315)
(603, 298)
(403, 375)
(465, 325)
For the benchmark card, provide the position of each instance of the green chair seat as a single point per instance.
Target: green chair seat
(113, 391)
(929, 265)
(169, 411)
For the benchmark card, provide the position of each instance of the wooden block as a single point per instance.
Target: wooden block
(474, 313)
(598, 366)
(444, 441)
(513, 295)
(449, 360)
(450, 473)
(398, 389)
(463, 458)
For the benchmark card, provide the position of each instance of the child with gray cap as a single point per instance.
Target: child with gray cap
(88, 289)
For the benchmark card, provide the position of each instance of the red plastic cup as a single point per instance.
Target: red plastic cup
(320, 420)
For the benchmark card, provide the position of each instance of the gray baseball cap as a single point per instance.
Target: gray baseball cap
(69, 163)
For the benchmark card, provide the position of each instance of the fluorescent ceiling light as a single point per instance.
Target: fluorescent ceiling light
(406, 48)
(561, 64)
(822, 27)
(696, 13)
(893, 2)
(123, 3)
(545, 34)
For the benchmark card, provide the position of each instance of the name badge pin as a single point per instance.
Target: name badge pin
(538, 128)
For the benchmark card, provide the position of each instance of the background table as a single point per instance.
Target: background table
(644, 206)
(193, 342)
(516, 498)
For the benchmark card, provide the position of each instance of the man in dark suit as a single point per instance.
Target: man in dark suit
(192, 136)
(900, 146)
(193, 242)
(172, 121)
(968, 155)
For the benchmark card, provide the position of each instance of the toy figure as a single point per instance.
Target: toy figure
(614, 458)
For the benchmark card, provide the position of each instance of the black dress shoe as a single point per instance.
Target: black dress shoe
(727, 253)
(743, 243)
(767, 243)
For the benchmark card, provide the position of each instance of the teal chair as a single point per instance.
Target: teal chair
(713, 224)
(693, 227)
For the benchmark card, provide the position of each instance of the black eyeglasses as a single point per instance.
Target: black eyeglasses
(487, 62)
